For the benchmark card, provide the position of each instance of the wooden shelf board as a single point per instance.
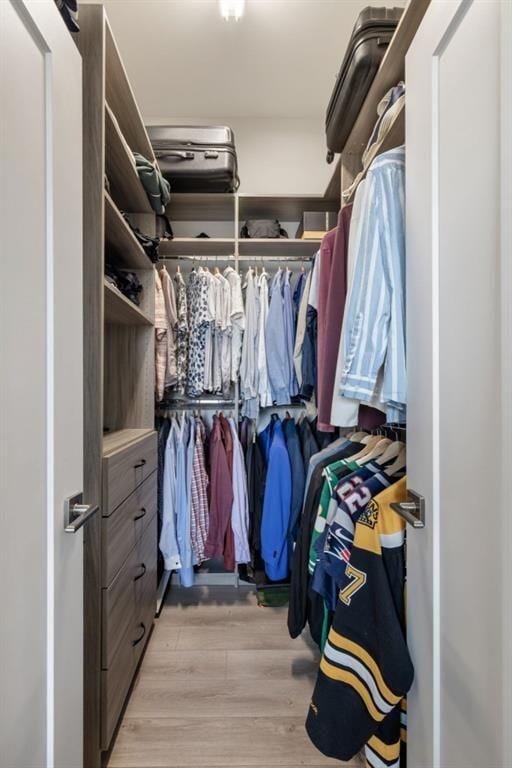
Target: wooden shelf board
(119, 239)
(126, 187)
(197, 246)
(114, 441)
(279, 247)
(201, 207)
(121, 311)
(283, 207)
(391, 71)
(119, 95)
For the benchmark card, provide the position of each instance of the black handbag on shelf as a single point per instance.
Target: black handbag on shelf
(163, 227)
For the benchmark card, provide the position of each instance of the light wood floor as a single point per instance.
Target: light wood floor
(222, 685)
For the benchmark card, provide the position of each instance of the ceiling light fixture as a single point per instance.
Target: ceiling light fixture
(232, 9)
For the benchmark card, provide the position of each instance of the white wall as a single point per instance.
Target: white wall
(275, 155)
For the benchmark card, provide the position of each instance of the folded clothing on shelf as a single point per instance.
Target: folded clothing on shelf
(157, 188)
(127, 283)
(150, 244)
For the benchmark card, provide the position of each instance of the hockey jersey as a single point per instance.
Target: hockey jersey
(353, 494)
(366, 670)
(332, 473)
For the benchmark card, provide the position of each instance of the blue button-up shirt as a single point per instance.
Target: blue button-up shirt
(374, 330)
(276, 344)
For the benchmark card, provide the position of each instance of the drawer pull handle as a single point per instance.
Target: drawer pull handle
(144, 569)
(141, 515)
(139, 464)
(136, 642)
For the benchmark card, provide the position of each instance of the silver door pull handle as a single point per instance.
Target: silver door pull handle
(413, 510)
(76, 514)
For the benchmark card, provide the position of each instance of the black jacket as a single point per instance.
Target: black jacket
(300, 603)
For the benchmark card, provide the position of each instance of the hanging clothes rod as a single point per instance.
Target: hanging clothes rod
(169, 405)
(223, 257)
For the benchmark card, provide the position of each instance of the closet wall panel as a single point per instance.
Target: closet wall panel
(91, 43)
(129, 363)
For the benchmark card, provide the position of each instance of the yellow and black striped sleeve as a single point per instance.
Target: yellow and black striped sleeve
(366, 669)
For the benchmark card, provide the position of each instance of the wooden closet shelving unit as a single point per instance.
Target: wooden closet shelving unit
(233, 210)
(228, 212)
(127, 337)
(120, 442)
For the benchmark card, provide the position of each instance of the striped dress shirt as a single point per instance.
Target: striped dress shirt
(374, 332)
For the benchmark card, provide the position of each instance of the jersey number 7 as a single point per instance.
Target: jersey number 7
(357, 580)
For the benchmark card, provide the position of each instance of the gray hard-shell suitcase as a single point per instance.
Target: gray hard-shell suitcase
(370, 38)
(196, 158)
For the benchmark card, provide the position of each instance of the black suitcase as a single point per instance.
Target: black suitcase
(371, 36)
(196, 159)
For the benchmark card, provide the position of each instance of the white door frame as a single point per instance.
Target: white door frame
(440, 23)
(42, 387)
(506, 352)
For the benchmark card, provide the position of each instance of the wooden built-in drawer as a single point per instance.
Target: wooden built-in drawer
(126, 601)
(123, 528)
(128, 615)
(116, 681)
(125, 469)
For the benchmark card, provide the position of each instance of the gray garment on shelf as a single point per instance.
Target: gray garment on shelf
(157, 188)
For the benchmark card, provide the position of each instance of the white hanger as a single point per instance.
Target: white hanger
(377, 451)
(356, 437)
(399, 464)
(369, 443)
(391, 453)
